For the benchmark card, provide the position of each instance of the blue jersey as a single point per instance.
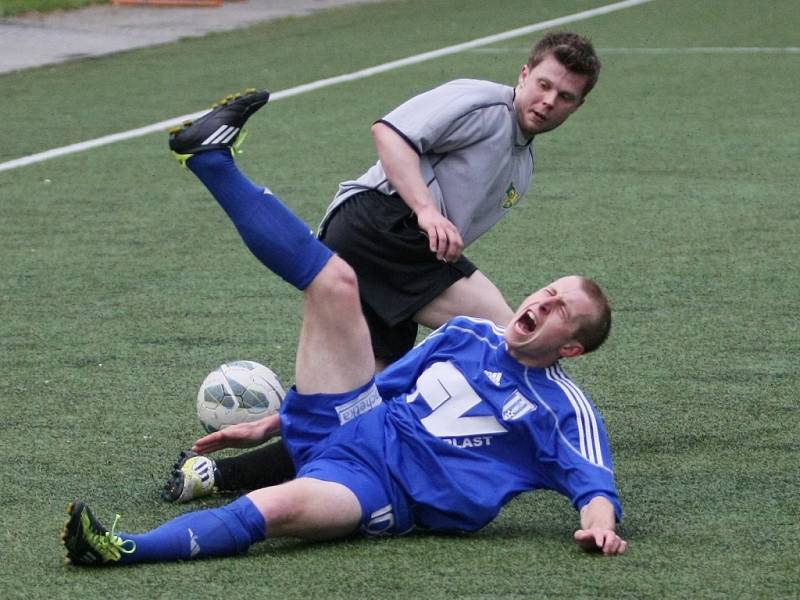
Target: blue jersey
(467, 428)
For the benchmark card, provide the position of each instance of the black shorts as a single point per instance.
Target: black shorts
(379, 237)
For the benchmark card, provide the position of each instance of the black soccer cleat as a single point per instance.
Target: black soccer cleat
(88, 542)
(218, 129)
(193, 476)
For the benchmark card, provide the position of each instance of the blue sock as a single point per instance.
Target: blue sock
(223, 531)
(274, 234)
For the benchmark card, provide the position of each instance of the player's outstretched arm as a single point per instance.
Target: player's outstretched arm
(241, 435)
(402, 167)
(598, 528)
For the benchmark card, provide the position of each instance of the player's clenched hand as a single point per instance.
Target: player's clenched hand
(601, 540)
(241, 435)
(443, 237)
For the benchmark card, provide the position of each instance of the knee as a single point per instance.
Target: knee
(337, 284)
(280, 508)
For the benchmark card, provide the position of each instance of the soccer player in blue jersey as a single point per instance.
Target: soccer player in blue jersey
(440, 441)
(452, 162)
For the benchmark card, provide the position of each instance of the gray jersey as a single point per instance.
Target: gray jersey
(473, 155)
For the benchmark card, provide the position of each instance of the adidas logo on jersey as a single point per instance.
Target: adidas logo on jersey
(494, 376)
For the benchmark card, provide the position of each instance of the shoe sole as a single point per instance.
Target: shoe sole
(167, 494)
(71, 527)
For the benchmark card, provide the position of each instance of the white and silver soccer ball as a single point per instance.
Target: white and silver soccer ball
(238, 392)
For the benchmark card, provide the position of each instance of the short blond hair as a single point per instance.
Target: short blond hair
(593, 331)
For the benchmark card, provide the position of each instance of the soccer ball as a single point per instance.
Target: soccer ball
(238, 392)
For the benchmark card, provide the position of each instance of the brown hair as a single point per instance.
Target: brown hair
(573, 51)
(592, 332)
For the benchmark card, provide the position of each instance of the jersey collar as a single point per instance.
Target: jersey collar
(520, 139)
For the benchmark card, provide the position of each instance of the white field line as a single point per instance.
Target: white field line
(322, 83)
(692, 50)
(703, 50)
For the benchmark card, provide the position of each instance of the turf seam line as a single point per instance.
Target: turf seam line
(322, 83)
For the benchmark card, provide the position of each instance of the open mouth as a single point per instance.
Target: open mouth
(527, 322)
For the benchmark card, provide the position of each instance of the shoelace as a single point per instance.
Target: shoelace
(113, 544)
(236, 148)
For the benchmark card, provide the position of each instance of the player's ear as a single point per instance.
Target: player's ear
(571, 349)
(523, 74)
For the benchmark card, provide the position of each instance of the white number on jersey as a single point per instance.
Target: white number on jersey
(449, 395)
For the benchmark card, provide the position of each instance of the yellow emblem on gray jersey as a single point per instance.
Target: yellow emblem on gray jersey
(512, 196)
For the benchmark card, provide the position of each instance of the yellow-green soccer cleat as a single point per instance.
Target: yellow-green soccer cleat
(193, 476)
(88, 542)
(218, 129)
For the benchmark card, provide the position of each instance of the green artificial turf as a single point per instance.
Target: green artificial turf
(122, 284)
(10, 8)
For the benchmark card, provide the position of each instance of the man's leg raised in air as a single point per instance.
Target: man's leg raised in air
(206, 147)
(276, 237)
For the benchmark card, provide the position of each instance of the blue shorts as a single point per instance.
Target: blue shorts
(341, 438)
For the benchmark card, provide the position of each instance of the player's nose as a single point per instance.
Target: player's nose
(549, 98)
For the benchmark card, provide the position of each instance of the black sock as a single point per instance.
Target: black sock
(262, 467)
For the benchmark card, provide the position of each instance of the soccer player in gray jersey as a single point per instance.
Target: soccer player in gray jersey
(451, 163)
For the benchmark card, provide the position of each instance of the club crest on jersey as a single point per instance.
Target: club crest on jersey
(512, 196)
(517, 406)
